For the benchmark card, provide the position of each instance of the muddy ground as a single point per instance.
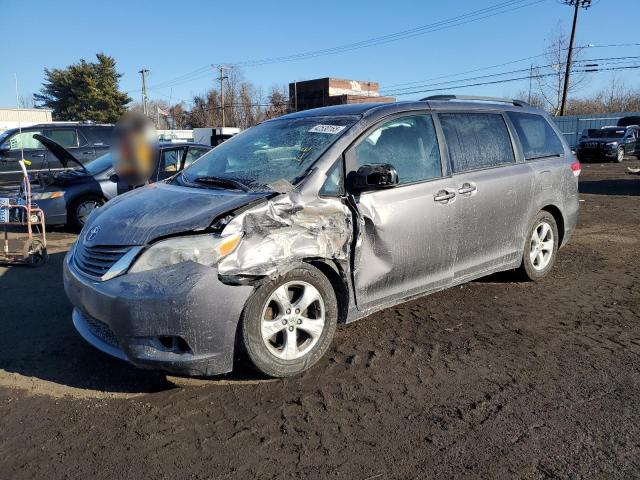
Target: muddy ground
(494, 379)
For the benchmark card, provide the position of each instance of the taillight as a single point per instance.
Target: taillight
(576, 168)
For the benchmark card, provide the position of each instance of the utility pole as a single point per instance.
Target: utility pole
(577, 4)
(144, 72)
(530, 78)
(295, 94)
(222, 77)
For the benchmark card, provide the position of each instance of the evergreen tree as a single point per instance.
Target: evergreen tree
(84, 91)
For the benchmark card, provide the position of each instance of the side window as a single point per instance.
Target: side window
(193, 154)
(24, 141)
(476, 140)
(68, 138)
(82, 140)
(407, 143)
(537, 137)
(170, 162)
(334, 184)
(102, 135)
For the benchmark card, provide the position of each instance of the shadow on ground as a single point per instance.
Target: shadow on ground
(626, 186)
(38, 340)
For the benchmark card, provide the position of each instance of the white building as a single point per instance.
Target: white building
(15, 117)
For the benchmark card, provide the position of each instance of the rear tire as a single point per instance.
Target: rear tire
(541, 247)
(288, 322)
(80, 209)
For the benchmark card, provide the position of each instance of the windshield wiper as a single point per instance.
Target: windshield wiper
(223, 182)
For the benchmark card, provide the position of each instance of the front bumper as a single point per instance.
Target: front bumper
(585, 153)
(128, 315)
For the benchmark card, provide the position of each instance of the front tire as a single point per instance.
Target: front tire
(620, 155)
(288, 323)
(80, 209)
(541, 247)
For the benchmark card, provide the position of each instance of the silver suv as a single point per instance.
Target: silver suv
(318, 217)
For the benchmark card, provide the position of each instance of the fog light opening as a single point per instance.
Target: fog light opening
(173, 343)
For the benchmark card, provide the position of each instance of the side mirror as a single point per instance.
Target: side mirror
(4, 149)
(114, 178)
(375, 176)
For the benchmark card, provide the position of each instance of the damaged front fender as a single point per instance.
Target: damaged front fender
(286, 230)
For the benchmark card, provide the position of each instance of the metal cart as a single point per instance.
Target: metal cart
(18, 211)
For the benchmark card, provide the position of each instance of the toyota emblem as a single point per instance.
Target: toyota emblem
(93, 233)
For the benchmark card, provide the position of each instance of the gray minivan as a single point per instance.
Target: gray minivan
(323, 216)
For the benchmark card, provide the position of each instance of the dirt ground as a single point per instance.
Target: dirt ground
(493, 379)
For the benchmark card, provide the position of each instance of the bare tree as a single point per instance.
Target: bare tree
(550, 78)
(26, 101)
(615, 97)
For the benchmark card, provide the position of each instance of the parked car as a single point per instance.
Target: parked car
(319, 217)
(630, 120)
(610, 143)
(69, 196)
(85, 141)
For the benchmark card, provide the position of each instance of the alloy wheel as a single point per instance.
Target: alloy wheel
(293, 320)
(541, 246)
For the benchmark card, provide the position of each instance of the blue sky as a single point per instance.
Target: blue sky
(174, 38)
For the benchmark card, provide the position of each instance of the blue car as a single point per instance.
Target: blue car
(68, 197)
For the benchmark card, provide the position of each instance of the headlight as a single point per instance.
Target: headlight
(46, 195)
(203, 249)
(611, 144)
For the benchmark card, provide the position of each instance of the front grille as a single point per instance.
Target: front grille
(96, 261)
(101, 330)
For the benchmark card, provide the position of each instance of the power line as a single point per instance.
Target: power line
(480, 69)
(472, 16)
(508, 80)
(463, 19)
(397, 92)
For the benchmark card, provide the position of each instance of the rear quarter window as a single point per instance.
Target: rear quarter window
(537, 137)
(476, 140)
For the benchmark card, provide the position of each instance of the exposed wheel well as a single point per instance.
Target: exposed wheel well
(557, 216)
(338, 283)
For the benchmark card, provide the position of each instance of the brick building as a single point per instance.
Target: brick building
(324, 92)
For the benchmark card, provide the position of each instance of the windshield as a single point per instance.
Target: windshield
(5, 134)
(279, 150)
(99, 165)
(611, 133)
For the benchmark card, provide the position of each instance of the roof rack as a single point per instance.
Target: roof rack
(517, 103)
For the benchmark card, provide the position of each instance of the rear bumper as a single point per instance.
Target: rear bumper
(55, 210)
(127, 316)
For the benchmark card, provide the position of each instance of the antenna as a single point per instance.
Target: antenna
(15, 76)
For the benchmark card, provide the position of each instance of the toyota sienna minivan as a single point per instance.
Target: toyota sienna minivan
(265, 243)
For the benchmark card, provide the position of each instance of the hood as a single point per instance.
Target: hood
(158, 210)
(59, 151)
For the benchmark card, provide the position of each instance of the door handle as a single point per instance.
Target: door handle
(467, 188)
(88, 152)
(443, 196)
(38, 155)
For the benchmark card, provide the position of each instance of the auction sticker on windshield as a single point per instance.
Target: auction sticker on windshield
(331, 129)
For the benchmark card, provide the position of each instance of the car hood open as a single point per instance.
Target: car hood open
(61, 153)
(159, 210)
